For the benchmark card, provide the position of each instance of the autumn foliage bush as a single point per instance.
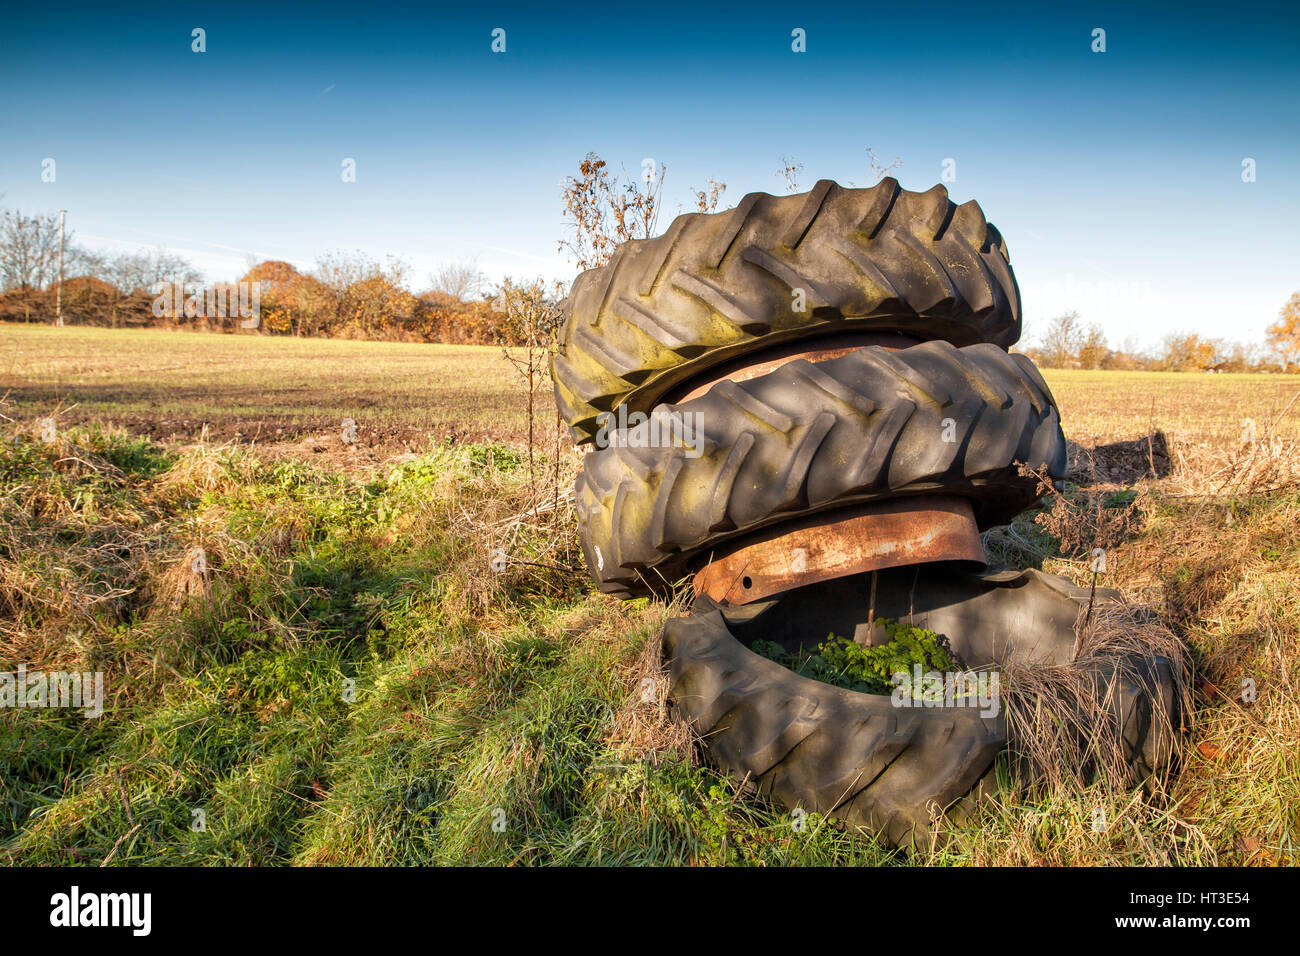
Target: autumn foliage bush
(348, 297)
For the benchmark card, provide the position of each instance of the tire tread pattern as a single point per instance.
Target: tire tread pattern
(810, 437)
(874, 259)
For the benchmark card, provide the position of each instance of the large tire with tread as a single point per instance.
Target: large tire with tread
(716, 286)
(812, 437)
(859, 757)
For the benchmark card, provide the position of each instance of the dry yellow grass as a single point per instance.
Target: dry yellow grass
(161, 382)
(170, 384)
(1193, 408)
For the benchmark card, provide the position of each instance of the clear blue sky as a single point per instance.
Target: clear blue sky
(1115, 177)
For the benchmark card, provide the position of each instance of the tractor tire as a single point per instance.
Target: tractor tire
(717, 286)
(860, 757)
(808, 438)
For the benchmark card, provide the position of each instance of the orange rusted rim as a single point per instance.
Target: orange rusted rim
(828, 347)
(885, 534)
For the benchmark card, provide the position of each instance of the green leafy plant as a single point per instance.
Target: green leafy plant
(843, 662)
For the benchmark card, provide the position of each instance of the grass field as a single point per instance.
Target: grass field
(313, 663)
(1194, 407)
(243, 386)
(169, 384)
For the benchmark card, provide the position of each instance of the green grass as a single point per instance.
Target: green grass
(348, 687)
(351, 683)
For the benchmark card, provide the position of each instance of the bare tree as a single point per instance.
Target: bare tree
(1062, 340)
(29, 250)
(79, 262)
(532, 315)
(1094, 350)
(140, 271)
(459, 280)
(1241, 356)
(133, 273)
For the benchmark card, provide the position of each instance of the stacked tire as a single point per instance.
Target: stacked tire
(725, 288)
(717, 286)
(643, 336)
(813, 437)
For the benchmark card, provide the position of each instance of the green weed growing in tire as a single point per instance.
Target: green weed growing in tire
(843, 662)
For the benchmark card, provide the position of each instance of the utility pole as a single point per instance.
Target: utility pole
(58, 294)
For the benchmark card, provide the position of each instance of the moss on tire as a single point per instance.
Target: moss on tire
(812, 437)
(860, 757)
(822, 748)
(719, 285)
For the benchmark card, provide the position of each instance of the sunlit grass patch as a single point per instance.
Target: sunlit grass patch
(351, 676)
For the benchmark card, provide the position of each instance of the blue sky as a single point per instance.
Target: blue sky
(1115, 177)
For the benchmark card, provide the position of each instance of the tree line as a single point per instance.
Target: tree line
(1066, 342)
(351, 295)
(346, 295)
